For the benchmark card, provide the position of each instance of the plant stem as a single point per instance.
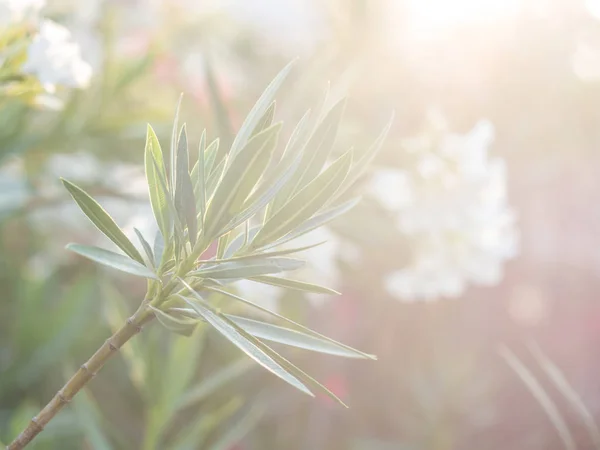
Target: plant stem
(85, 373)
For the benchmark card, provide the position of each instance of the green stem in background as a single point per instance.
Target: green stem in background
(85, 373)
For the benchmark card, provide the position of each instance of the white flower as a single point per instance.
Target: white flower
(452, 208)
(15, 11)
(55, 59)
(321, 268)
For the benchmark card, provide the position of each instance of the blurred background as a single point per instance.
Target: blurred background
(470, 267)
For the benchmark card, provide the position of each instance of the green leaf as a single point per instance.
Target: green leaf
(262, 255)
(266, 120)
(273, 183)
(185, 203)
(211, 154)
(182, 326)
(294, 284)
(363, 161)
(114, 260)
(289, 321)
(213, 180)
(159, 248)
(146, 247)
(305, 203)
(242, 340)
(316, 152)
(102, 220)
(317, 221)
(239, 180)
(155, 175)
(258, 111)
(171, 164)
(237, 243)
(293, 338)
(299, 373)
(248, 268)
(201, 193)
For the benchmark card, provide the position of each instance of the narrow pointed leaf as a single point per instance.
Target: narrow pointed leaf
(248, 268)
(294, 285)
(210, 156)
(258, 111)
(146, 246)
(112, 259)
(185, 203)
(305, 203)
(159, 248)
(317, 221)
(262, 255)
(237, 338)
(185, 327)
(102, 220)
(237, 243)
(171, 162)
(363, 161)
(155, 176)
(293, 338)
(201, 181)
(299, 373)
(288, 321)
(212, 181)
(266, 121)
(239, 179)
(316, 152)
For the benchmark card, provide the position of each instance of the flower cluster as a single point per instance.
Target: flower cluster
(451, 206)
(37, 54)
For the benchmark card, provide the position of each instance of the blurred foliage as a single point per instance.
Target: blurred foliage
(439, 383)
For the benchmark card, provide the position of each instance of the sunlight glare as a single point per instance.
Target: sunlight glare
(431, 18)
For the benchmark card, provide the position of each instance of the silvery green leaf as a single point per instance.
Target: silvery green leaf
(237, 243)
(294, 285)
(171, 164)
(258, 111)
(247, 268)
(298, 373)
(305, 203)
(266, 121)
(293, 338)
(239, 179)
(201, 181)
(212, 181)
(285, 319)
(317, 221)
(155, 176)
(210, 156)
(315, 154)
(102, 220)
(261, 255)
(274, 182)
(185, 203)
(159, 248)
(182, 326)
(363, 161)
(112, 259)
(146, 247)
(244, 342)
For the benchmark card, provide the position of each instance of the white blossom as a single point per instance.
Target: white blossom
(451, 205)
(56, 59)
(15, 11)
